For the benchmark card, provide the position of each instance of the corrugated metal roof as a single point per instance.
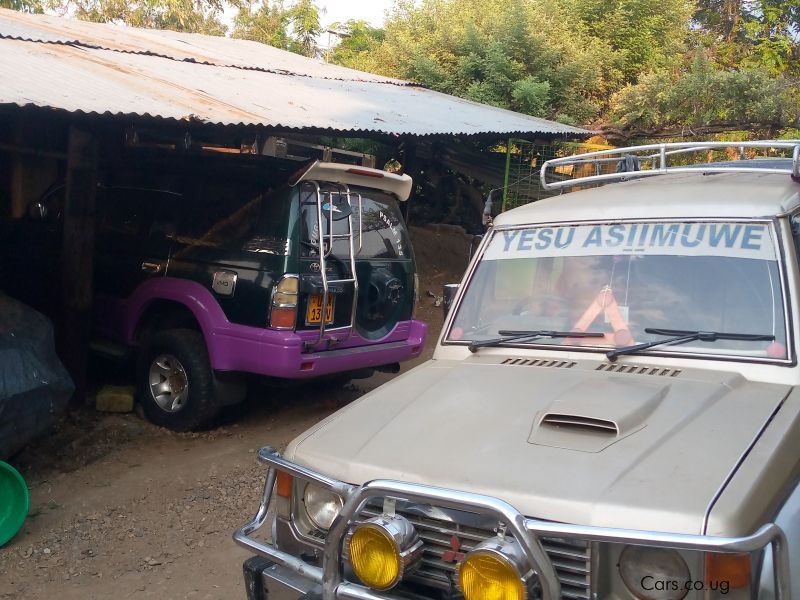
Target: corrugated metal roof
(106, 69)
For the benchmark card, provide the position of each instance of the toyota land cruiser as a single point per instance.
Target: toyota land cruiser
(209, 269)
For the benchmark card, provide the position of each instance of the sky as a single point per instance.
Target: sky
(371, 11)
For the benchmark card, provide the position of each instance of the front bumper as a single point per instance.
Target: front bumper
(267, 580)
(328, 581)
(282, 353)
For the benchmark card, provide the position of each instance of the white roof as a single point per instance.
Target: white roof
(677, 196)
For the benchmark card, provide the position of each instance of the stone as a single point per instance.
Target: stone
(115, 398)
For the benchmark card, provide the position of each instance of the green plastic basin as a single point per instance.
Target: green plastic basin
(14, 502)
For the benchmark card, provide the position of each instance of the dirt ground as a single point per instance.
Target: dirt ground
(124, 509)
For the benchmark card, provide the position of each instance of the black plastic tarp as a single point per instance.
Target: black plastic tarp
(34, 386)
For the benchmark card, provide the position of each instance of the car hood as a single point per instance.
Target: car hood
(564, 441)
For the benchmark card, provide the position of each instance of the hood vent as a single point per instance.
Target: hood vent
(637, 370)
(577, 422)
(539, 362)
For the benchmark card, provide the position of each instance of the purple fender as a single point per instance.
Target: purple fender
(234, 347)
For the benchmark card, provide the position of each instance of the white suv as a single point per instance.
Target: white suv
(612, 411)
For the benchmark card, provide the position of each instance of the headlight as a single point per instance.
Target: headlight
(495, 570)
(322, 505)
(654, 573)
(382, 549)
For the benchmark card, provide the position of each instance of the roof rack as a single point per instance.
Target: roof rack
(653, 159)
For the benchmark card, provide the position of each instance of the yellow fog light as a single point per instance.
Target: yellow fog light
(494, 571)
(382, 549)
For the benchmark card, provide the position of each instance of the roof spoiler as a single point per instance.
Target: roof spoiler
(399, 185)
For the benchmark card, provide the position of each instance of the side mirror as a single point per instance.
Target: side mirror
(449, 292)
(476, 241)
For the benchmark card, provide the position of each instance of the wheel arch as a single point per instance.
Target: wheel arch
(178, 302)
(159, 314)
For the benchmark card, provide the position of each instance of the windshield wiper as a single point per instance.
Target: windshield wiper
(529, 335)
(680, 336)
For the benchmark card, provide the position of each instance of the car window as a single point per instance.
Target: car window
(127, 212)
(231, 215)
(623, 279)
(383, 231)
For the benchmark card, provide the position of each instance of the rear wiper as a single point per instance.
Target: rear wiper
(680, 336)
(529, 335)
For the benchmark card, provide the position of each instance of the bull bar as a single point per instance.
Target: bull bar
(526, 530)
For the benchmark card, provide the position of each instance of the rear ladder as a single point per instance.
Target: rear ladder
(323, 255)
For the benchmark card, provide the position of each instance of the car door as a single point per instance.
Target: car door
(128, 251)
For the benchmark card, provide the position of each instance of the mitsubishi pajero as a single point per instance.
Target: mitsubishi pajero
(612, 410)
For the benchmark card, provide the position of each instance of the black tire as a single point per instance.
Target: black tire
(193, 406)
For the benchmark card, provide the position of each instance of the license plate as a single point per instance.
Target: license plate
(314, 314)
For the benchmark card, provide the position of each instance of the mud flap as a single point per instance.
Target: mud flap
(253, 583)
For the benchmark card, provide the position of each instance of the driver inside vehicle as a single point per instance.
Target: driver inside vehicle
(588, 285)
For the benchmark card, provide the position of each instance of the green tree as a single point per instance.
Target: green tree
(305, 27)
(358, 41)
(262, 21)
(646, 34)
(753, 33)
(708, 97)
(293, 28)
(29, 6)
(192, 16)
(524, 55)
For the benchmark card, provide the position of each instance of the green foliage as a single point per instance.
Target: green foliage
(705, 95)
(523, 55)
(193, 16)
(28, 6)
(358, 41)
(756, 33)
(304, 20)
(293, 28)
(265, 22)
(625, 63)
(645, 34)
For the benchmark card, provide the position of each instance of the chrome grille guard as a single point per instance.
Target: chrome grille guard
(655, 161)
(526, 531)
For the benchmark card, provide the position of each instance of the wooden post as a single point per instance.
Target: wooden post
(409, 167)
(78, 256)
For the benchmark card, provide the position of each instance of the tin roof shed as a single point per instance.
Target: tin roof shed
(91, 68)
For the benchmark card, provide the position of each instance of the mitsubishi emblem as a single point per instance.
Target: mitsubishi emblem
(453, 555)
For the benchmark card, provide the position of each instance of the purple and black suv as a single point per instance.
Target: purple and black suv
(224, 270)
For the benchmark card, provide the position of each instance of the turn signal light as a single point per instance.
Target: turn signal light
(283, 318)
(733, 568)
(283, 486)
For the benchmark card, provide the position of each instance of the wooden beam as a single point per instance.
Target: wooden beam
(78, 255)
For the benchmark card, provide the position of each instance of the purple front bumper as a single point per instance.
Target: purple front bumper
(281, 353)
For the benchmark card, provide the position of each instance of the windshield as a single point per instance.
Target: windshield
(383, 232)
(625, 278)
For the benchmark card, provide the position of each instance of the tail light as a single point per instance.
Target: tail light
(283, 309)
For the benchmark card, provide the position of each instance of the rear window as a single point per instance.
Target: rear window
(383, 233)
